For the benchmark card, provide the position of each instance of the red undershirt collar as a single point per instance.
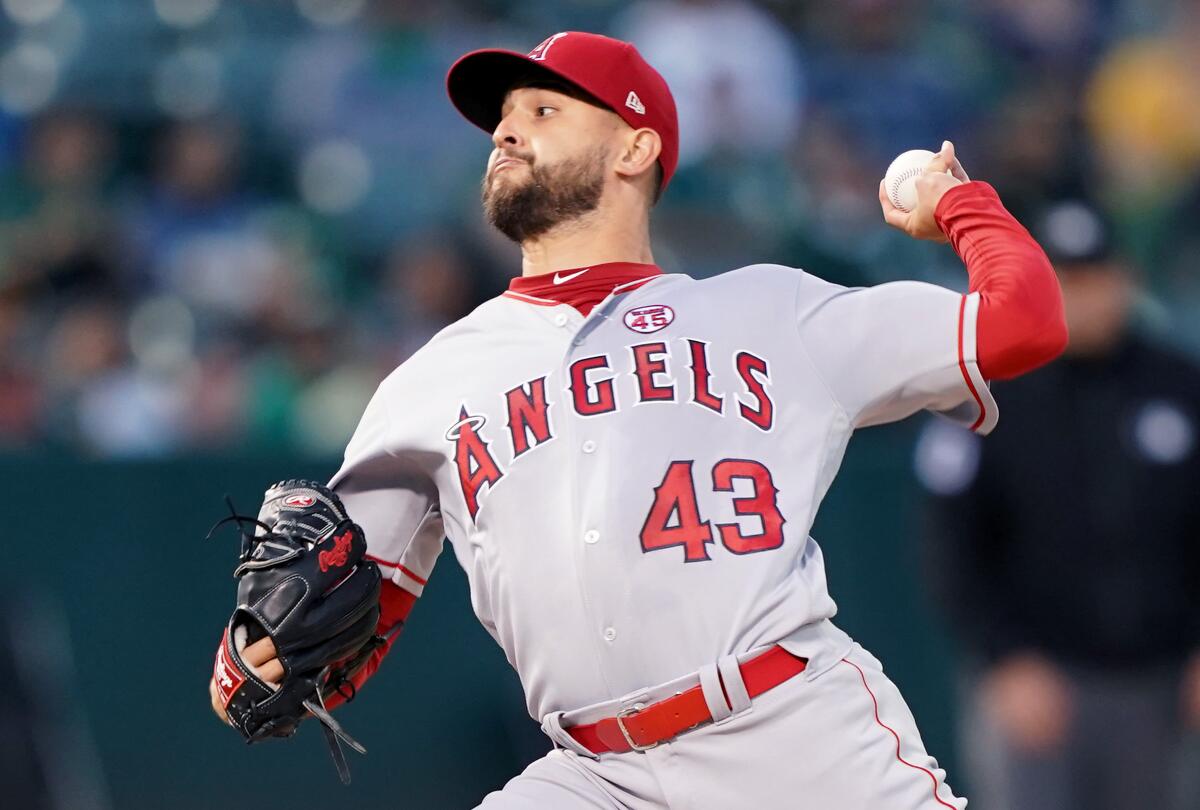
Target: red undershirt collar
(581, 287)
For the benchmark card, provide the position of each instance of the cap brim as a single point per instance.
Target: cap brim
(478, 82)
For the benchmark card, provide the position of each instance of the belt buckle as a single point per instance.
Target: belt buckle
(621, 715)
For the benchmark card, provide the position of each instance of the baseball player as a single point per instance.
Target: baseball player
(627, 462)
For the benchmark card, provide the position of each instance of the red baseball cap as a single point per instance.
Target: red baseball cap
(609, 69)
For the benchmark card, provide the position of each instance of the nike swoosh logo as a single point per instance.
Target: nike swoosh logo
(559, 279)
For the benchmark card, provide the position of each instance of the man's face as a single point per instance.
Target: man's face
(550, 164)
(1097, 298)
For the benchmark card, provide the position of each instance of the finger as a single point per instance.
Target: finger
(958, 172)
(941, 161)
(891, 214)
(897, 219)
(271, 671)
(955, 166)
(217, 708)
(947, 161)
(259, 652)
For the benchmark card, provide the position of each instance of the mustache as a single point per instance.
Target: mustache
(488, 174)
(527, 156)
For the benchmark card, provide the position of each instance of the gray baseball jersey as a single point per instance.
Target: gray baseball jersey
(630, 493)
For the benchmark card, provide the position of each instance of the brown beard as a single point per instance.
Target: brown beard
(554, 194)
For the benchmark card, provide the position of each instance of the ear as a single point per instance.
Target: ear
(639, 150)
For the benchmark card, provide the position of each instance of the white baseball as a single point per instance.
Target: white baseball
(900, 182)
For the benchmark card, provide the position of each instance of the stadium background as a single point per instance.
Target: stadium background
(222, 222)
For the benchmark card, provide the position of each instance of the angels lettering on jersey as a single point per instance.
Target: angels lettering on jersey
(597, 385)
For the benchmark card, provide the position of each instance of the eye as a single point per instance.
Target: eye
(543, 111)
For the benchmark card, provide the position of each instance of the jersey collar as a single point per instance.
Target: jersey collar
(581, 287)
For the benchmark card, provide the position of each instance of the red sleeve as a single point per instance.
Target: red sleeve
(1021, 323)
(395, 603)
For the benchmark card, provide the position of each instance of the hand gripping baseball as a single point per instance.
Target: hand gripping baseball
(303, 583)
(943, 173)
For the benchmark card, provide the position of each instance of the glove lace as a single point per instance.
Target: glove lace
(249, 538)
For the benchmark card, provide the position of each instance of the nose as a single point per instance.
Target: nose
(506, 133)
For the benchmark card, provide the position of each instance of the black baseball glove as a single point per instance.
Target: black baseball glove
(303, 580)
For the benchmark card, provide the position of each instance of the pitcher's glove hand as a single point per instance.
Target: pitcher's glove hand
(303, 580)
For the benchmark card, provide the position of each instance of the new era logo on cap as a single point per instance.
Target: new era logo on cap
(634, 103)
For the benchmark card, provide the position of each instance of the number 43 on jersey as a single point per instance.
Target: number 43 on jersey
(675, 520)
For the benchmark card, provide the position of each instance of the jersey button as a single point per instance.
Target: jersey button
(610, 634)
(591, 536)
(589, 446)
(560, 319)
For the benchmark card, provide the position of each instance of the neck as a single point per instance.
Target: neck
(595, 238)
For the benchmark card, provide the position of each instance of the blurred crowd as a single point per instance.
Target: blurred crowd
(221, 223)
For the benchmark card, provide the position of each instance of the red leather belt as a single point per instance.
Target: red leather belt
(640, 729)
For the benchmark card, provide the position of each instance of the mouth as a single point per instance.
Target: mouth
(506, 163)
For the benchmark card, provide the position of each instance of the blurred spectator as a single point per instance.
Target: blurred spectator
(842, 190)
(1065, 549)
(739, 86)
(1029, 144)
(195, 233)
(426, 286)
(20, 383)
(1143, 112)
(1050, 32)
(1143, 107)
(734, 71)
(55, 236)
(890, 75)
(374, 94)
(85, 343)
(304, 390)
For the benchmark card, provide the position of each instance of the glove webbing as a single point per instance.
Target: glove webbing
(333, 733)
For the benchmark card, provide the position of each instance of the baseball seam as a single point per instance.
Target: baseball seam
(894, 186)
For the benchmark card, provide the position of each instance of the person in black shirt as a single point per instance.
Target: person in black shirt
(1065, 552)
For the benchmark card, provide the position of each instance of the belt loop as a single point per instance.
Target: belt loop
(735, 687)
(710, 684)
(552, 727)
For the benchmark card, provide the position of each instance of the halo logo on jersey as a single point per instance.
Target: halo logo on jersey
(649, 318)
(476, 467)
